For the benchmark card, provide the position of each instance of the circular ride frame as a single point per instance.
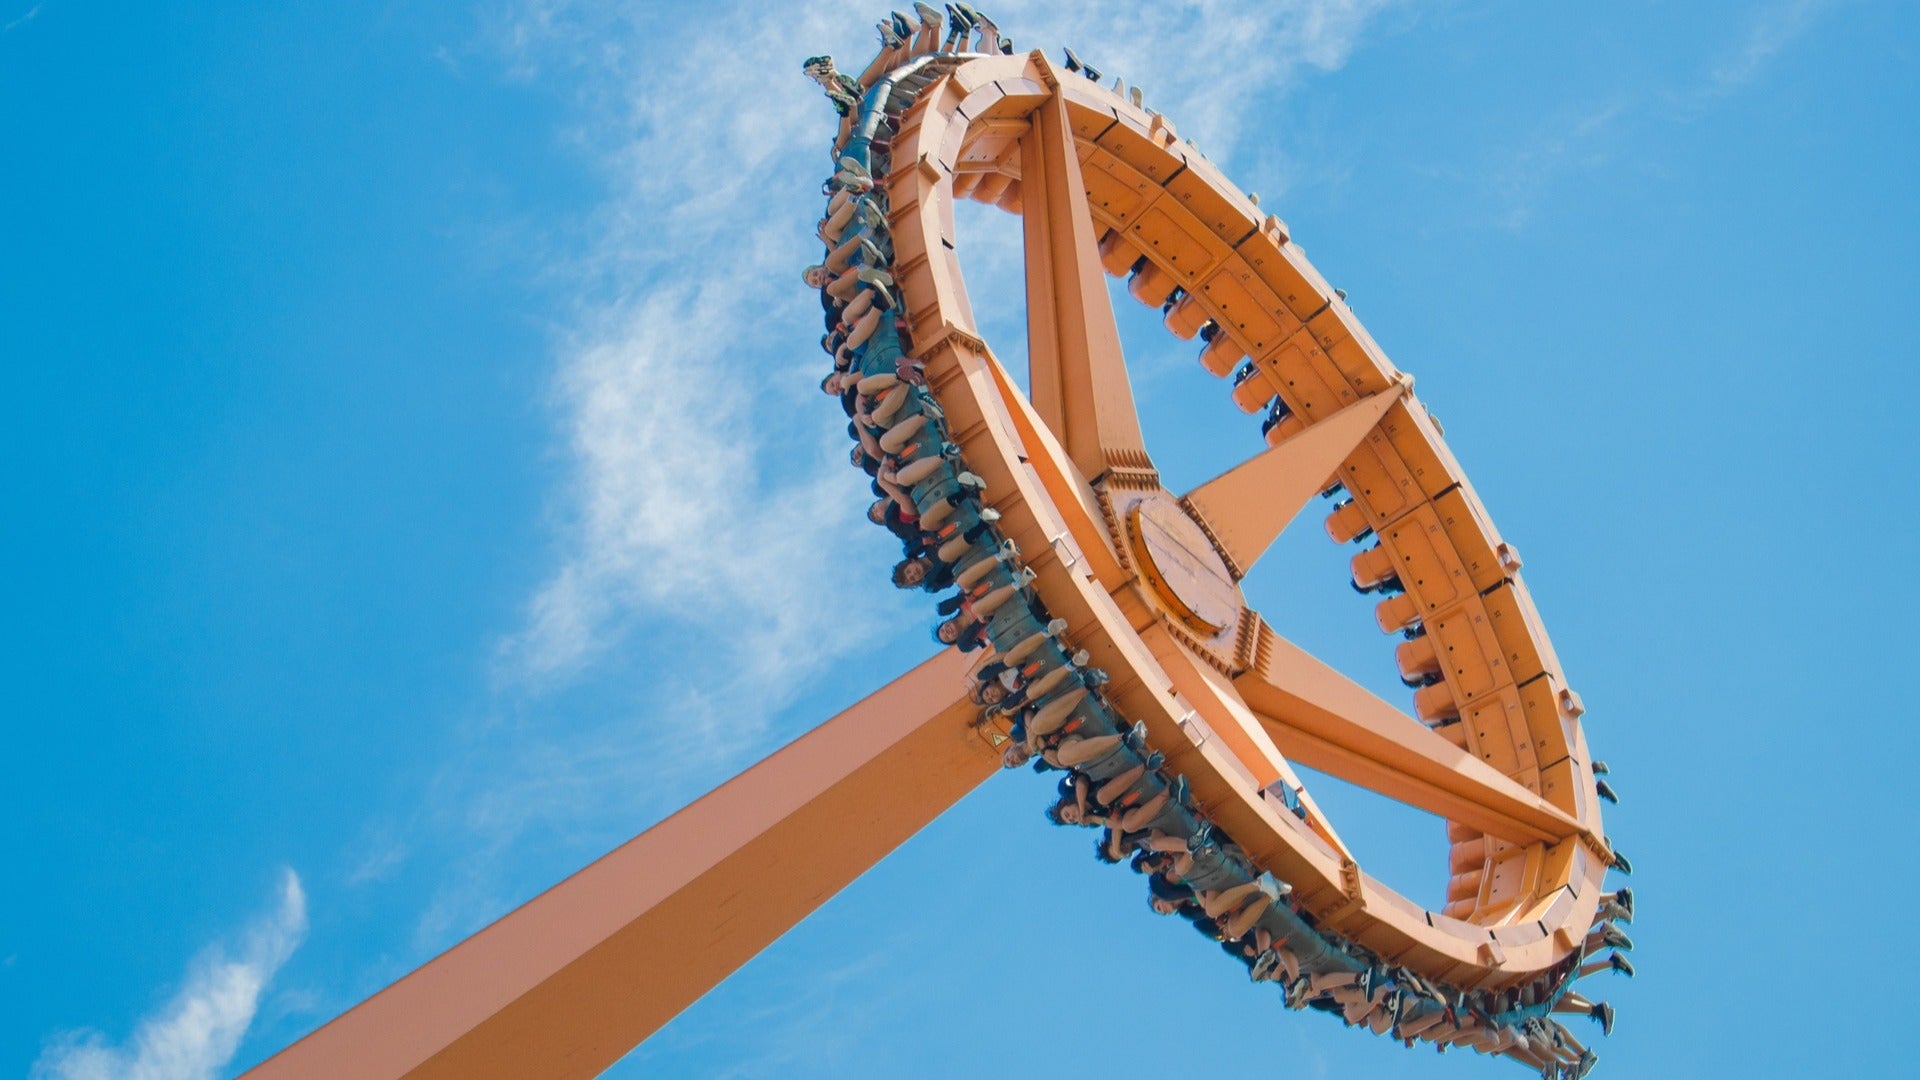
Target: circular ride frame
(1101, 183)
(567, 983)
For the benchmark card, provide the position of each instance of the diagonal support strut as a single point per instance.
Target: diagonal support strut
(1078, 373)
(1249, 505)
(1324, 720)
(570, 981)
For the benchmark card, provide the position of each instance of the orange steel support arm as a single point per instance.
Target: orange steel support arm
(1249, 505)
(1072, 496)
(1078, 374)
(573, 979)
(1326, 721)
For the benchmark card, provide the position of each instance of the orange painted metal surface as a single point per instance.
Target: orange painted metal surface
(1247, 506)
(1164, 216)
(579, 975)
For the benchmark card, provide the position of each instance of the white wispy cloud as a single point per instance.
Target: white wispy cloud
(690, 507)
(196, 1033)
(708, 542)
(1207, 65)
(1773, 28)
(19, 21)
(1575, 140)
(379, 853)
(1591, 134)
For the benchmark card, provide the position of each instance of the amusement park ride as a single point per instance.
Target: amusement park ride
(1099, 621)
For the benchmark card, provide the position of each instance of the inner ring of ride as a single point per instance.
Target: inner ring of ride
(991, 108)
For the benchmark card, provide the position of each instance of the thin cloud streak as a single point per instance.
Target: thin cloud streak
(709, 555)
(1589, 136)
(32, 14)
(195, 1035)
(1772, 30)
(685, 512)
(1200, 62)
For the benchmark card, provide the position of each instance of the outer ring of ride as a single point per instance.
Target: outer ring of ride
(1186, 704)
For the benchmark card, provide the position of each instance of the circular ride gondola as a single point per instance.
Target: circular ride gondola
(1116, 644)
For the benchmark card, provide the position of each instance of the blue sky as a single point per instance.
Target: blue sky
(416, 487)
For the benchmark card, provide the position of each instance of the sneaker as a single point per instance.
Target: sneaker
(1136, 736)
(1057, 626)
(1605, 791)
(1297, 992)
(884, 298)
(870, 214)
(1178, 789)
(1621, 964)
(1616, 937)
(1603, 1012)
(1155, 759)
(1264, 966)
(1599, 768)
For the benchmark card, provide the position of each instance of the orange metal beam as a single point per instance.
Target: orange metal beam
(1249, 505)
(1078, 373)
(1215, 695)
(1324, 720)
(1072, 496)
(576, 977)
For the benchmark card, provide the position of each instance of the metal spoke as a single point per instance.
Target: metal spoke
(1249, 505)
(1326, 721)
(1072, 496)
(1078, 373)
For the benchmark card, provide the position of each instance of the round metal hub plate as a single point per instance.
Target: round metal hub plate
(1181, 564)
